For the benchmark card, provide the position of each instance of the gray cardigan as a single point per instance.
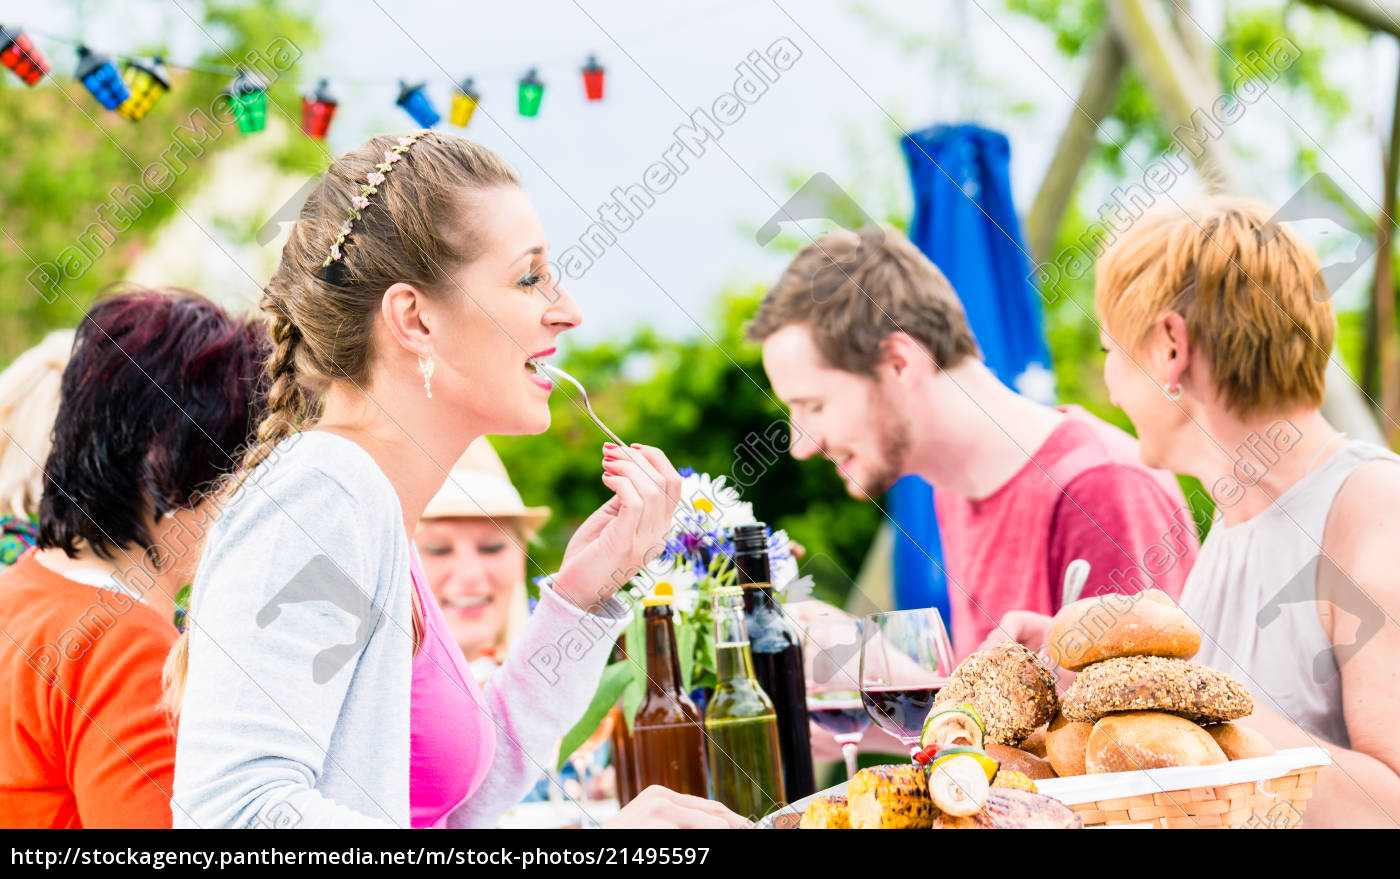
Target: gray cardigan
(296, 707)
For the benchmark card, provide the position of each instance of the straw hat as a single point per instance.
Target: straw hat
(479, 486)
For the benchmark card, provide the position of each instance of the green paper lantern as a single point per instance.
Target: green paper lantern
(247, 97)
(531, 93)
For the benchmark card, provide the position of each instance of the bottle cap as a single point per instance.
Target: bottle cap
(750, 538)
(661, 596)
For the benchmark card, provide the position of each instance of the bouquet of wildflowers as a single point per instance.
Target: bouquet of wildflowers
(695, 561)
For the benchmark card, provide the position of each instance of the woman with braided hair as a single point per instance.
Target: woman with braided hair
(320, 686)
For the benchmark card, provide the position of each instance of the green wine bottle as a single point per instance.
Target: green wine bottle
(741, 728)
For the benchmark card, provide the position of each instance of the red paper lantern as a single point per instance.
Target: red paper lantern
(18, 53)
(593, 79)
(317, 108)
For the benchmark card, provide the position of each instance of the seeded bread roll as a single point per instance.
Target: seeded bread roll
(1011, 689)
(1148, 740)
(1108, 626)
(1151, 683)
(1065, 743)
(1240, 742)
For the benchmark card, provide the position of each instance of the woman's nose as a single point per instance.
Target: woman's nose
(563, 312)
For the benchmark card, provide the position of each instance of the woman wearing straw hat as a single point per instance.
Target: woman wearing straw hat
(472, 537)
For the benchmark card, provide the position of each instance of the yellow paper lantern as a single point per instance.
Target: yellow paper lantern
(464, 103)
(147, 80)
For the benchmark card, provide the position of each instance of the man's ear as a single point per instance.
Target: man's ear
(406, 318)
(902, 357)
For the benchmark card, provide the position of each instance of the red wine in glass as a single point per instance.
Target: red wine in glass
(906, 657)
(900, 711)
(841, 718)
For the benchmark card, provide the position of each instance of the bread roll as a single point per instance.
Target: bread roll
(1035, 742)
(1240, 742)
(1107, 626)
(1065, 743)
(1009, 686)
(1153, 683)
(1017, 760)
(1148, 740)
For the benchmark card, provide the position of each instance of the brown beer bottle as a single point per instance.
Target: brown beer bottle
(668, 739)
(624, 766)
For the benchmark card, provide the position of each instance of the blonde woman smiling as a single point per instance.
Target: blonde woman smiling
(324, 688)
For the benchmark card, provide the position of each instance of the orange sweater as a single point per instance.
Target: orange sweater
(82, 743)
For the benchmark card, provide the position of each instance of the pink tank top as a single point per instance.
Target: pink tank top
(453, 737)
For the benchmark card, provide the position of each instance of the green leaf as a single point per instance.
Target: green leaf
(615, 677)
(635, 642)
(634, 693)
(685, 647)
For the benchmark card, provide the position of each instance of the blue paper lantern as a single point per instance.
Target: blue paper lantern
(414, 100)
(99, 75)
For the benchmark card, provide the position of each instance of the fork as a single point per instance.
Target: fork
(551, 370)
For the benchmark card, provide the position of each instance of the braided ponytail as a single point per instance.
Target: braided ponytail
(418, 227)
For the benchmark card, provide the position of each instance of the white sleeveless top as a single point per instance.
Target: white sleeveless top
(1253, 592)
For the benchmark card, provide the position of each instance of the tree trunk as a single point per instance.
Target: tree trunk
(1381, 15)
(1386, 354)
(1180, 95)
(1077, 140)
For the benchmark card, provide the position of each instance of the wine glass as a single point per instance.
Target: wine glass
(905, 659)
(832, 647)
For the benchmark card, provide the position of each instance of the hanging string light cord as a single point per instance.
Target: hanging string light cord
(514, 67)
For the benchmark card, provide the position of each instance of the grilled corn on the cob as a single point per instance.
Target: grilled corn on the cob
(827, 813)
(890, 797)
(1012, 778)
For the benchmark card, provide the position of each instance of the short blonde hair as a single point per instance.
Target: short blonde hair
(1251, 292)
(29, 396)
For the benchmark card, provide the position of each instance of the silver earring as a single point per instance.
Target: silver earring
(426, 367)
(1173, 392)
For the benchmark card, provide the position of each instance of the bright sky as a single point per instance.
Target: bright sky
(837, 109)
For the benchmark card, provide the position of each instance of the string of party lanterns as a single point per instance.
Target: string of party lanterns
(133, 90)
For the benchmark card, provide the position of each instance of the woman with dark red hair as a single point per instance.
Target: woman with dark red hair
(161, 392)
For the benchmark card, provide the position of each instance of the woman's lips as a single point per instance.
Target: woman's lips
(536, 374)
(468, 608)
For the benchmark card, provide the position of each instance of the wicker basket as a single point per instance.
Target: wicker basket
(1267, 792)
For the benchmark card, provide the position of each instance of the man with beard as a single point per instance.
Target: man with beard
(867, 344)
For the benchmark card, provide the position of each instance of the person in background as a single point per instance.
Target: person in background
(161, 392)
(28, 404)
(1218, 327)
(472, 538)
(867, 344)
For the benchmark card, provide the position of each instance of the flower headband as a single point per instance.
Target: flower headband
(374, 180)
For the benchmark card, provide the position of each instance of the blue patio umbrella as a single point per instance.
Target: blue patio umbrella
(965, 222)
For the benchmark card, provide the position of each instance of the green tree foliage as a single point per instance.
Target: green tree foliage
(85, 189)
(705, 401)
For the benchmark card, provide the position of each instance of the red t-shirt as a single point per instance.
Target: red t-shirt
(82, 741)
(1084, 494)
